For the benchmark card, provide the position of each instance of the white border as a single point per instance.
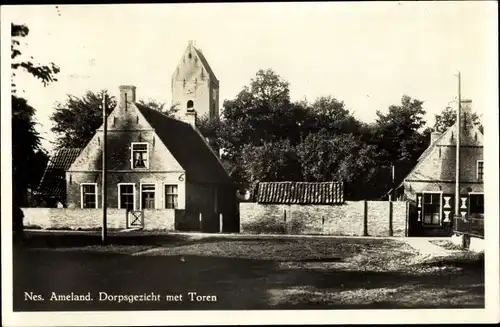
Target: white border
(140, 195)
(132, 155)
(136, 318)
(119, 195)
(96, 195)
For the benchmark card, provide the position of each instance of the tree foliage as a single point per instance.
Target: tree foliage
(271, 161)
(159, 106)
(45, 73)
(267, 137)
(397, 133)
(28, 157)
(447, 118)
(76, 120)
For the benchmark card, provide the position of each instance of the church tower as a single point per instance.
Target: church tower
(195, 89)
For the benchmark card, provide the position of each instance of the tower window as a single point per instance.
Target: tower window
(190, 56)
(190, 104)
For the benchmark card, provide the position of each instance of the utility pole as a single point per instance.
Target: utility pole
(104, 173)
(457, 170)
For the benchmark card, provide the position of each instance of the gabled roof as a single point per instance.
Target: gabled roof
(53, 181)
(188, 147)
(205, 64)
(448, 138)
(300, 193)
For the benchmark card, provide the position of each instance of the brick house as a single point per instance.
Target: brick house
(154, 162)
(430, 185)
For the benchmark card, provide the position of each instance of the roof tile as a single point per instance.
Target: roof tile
(300, 193)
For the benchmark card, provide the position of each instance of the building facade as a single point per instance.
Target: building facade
(153, 162)
(430, 185)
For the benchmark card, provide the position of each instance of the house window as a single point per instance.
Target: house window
(140, 155)
(89, 195)
(480, 170)
(147, 196)
(126, 196)
(476, 204)
(171, 196)
(431, 208)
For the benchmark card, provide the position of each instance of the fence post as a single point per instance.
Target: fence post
(201, 222)
(365, 218)
(390, 219)
(221, 220)
(285, 224)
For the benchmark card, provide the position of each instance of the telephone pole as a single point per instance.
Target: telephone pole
(457, 169)
(104, 173)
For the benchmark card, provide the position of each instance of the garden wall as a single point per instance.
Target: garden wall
(356, 218)
(58, 218)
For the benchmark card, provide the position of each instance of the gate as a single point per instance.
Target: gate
(135, 219)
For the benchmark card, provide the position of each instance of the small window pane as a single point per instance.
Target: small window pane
(140, 155)
(171, 197)
(148, 196)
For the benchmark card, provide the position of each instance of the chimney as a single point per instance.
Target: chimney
(466, 106)
(127, 93)
(190, 117)
(434, 136)
(466, 113)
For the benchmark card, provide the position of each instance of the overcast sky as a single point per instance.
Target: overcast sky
(365, 54)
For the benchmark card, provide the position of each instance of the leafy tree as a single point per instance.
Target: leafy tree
(447, 118)
(78, 117)
(45, 73)
(397, 133)
(328, 113)
(271, 161)
(160, 106)
(28, 157)
(342, 157)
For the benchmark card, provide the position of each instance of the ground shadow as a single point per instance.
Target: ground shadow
(238, 284)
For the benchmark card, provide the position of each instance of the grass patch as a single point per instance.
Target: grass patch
(248, 273)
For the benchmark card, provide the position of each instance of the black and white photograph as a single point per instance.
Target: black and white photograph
(250, 163)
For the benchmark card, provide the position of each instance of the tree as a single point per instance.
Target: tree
(159, 106)
(28, 157)
(447, 118)
(45, 73)
(330, 115)
(77, 119)
(342, 157)
(260, 114)
(397, 133)
(270, 162)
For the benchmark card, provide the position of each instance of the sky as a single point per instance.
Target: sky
(366, 54)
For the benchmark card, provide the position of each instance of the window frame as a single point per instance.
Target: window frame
(95, 194)
(165, 195)
(440, 193)
(482, 170)
(149, 191)
(469, 206)
(120, 196)
(132, 156)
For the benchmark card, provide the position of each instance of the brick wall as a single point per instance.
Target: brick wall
(346, 219)
(92, 218)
